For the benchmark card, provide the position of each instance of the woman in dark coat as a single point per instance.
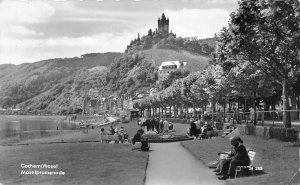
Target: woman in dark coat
(240, 158)
(193, 129)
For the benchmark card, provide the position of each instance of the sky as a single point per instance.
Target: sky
(34, 30)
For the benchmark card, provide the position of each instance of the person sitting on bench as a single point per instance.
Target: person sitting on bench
(239, 157)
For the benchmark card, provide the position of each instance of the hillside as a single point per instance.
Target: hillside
(59, 86)
(26, 72)
(19, 83)
(68, 94)
(195, 62)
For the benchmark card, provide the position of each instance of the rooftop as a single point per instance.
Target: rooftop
(171, 63)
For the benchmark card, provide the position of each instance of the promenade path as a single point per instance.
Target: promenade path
(171, 164)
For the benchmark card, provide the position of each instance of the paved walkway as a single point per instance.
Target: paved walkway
(171, 164)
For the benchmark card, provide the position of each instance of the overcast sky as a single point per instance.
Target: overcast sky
(34, 30)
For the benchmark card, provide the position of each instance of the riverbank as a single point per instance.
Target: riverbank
(80, 155)
(34, 117)
(16, 129)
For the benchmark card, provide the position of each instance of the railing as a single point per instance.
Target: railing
(268, 118)
(262, 118)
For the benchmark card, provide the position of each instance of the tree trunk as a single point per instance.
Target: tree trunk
(194, 110)
(224, 110)
(187, 112)
(213, 105)
(254, 104)
(286, 114)
(294, 114)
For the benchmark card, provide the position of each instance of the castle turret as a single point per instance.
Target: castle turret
(163, 24)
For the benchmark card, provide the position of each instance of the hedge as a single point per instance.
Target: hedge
(219, 126)
(284, 134)
(260, 131)
(177, 120)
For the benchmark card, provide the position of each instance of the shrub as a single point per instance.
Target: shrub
(250, 130)
(284, 134)
(177, 120)
(242, 129)
(219, 126)
(259, 131)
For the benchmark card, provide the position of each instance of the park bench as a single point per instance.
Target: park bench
(251, 168)
(143, 145)
(108, 138)
(137, 146)
(212, 133)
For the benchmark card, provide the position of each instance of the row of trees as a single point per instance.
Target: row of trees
(257, 54)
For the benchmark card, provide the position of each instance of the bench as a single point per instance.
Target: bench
(251, 155)
(211, 134)
(108, 138)
(137, 146)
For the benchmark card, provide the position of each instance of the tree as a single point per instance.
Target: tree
(266, 34)
(174, 75)
(150, 33)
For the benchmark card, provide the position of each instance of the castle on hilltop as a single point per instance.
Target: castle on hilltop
(163, 24)
(153, 37)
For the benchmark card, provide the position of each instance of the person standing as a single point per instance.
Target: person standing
(166, 123)
(157, 125)
(152, 124)
(193, 130)
(111, 130)
(161, 126)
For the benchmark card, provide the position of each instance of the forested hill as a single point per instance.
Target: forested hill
(20, 83)
(60, 85)
(26, 72)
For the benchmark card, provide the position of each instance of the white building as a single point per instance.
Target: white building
(167, 67)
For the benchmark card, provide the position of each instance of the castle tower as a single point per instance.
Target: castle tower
(163, 24)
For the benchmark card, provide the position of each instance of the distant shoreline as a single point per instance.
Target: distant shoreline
(33, 117)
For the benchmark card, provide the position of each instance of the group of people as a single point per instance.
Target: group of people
(198, 129)
(120, 132)
(157, 125)
(238, 156)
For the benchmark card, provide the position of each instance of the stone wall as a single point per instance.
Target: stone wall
(284, 134)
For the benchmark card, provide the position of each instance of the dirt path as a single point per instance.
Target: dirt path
(171, 164)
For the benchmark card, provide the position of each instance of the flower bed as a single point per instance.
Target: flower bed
(159, 138)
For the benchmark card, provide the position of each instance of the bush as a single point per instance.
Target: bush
(219, 126)
(259, 131)
(250, 130)
(284, 134)
(177, 120)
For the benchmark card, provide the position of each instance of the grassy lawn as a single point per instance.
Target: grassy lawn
(280, 160)
(83, 163)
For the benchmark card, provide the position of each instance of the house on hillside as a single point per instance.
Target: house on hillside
(167, 67)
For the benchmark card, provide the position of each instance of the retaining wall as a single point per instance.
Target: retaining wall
(284, 134)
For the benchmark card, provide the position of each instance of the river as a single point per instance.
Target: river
(18, 128)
